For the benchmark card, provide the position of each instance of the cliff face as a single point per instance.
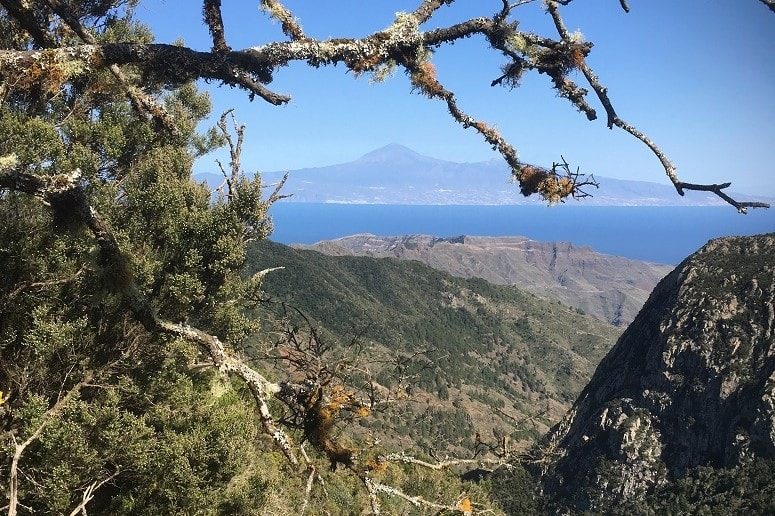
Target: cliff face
(690, 382)
(610, 288)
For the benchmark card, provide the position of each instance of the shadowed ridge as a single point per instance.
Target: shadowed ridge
(690, 383)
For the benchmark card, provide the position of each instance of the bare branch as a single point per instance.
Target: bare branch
(21, 287)
(260, 387)
(235, 150)
(440, 465)
(276, 195)
(427, 8)
(614, 120)
(374, 488)
(19, 448)
(88, 493)
(742, 206)
(313, 475)
(509, 6)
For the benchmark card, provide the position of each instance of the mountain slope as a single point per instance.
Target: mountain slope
(498, 351)
(610, 288)
(395, 174)
(690, 383)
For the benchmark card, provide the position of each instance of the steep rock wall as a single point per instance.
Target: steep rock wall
(690, 382)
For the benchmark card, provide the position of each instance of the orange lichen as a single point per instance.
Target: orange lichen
(530, 179)
(577, 57)
(549, 185)
(45, 69)
(489, 133)
(555, 190)
(424, 78)
(320, 420)
(376, 465)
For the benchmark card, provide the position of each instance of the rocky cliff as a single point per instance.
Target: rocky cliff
(610, 288)
(691, 382)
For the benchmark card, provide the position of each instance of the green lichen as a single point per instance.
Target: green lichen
(8, 162)
(517, 43)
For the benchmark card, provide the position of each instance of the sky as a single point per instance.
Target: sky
(697, 77)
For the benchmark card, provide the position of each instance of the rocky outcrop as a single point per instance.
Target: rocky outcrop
(610, 288)
(690, 382)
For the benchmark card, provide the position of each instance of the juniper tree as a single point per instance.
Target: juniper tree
(122, 277)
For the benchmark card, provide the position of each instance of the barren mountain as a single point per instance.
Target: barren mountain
(610, 288)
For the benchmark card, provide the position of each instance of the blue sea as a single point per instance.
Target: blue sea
(656, 234)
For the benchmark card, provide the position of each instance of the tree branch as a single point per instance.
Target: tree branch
(25, 17)
(374, 488)
(427, 8)
(614, 120)
(214, 20)
(19, 448)
(279, 12)
(402, 42)
(141, 101)
(235, 150)
(440, 465)
(88, 493)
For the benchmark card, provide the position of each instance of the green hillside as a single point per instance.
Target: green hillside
(497, 353)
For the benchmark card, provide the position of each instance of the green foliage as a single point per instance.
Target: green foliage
(178, 441)
(745, 489)
(515, 491)
(489, 346)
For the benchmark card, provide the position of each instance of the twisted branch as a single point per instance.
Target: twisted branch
(141, 101)
(615, 120)
(402, 42)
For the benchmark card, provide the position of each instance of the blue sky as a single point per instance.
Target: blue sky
(698, 77)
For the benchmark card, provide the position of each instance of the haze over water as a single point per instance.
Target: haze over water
(655, 234)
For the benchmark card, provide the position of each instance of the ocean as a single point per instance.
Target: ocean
(655, 234)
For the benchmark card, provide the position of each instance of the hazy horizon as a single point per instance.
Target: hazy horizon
(710, 111)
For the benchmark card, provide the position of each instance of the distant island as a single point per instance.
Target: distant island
(395, 174)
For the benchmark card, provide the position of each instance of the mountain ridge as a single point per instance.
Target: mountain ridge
(690, 383)
(608, 287)
(493, 347)
(396, 174)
